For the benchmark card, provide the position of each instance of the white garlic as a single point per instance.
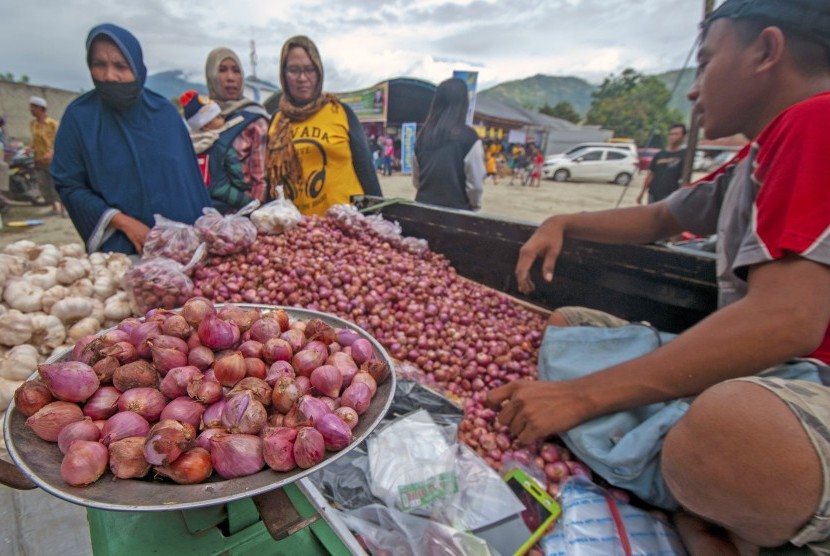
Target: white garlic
(97, 312)
(20, 248)
(97, 260)
(13, 265)
(45, 256)
(48, 332)
(44, 277)
(104, 286)
(69, 270)
(117, 307)
(118, 264)
(52, 296)
(15, 328)
(60, 350)
(72, 309)
(83, 327)
(19, 363)
(22, 295)
(7, 390)
(82, 288)
(72, 250)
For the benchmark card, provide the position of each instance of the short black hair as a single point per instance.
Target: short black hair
(681, 126)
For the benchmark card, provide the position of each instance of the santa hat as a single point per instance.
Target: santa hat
(198, 109)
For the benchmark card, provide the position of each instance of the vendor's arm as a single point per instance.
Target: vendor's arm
(135, 230)
(774, 322)
(364, 166)
(618, 226)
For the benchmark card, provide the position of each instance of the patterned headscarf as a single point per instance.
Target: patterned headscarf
(282, 163)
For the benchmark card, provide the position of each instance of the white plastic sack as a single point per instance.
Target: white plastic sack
(277, 216)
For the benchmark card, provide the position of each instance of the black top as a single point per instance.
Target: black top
(667, 169)
(441, 177)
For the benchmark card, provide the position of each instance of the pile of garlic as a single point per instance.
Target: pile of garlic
(52, 296)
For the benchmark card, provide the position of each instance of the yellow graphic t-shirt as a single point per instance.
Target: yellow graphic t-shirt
(322, 145)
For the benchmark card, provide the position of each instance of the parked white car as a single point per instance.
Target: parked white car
(628, 147)
(593, 164)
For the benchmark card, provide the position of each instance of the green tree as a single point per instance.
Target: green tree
(24, 78)
(633, 105)
(563, 110)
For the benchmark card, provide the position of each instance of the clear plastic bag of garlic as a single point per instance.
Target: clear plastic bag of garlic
(49, 297)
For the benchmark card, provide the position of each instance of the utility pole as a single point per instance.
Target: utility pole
(694, 128)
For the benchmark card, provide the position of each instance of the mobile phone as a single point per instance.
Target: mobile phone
(517, 534)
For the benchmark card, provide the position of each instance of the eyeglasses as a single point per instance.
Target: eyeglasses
(296, 72)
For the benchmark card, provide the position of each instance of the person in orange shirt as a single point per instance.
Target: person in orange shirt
(491, 166)
(44, 129)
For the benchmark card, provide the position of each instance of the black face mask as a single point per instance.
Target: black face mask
(118, 96)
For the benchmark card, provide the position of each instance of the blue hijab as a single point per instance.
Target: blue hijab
(139, 161)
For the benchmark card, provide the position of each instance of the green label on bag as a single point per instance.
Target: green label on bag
(417, 495)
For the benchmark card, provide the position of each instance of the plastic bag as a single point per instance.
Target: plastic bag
(593, 523)
(160, 283)
(388, 531)
(171, 239)
(225, 235)
(277, 216)
(435, 476)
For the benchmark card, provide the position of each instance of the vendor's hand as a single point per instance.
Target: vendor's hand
(545, 242)
(135, 230)
(640, 199)
(534, 410)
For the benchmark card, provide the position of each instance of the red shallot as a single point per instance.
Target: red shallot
(84, 462)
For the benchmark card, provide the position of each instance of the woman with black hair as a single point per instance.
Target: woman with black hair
(448, 169)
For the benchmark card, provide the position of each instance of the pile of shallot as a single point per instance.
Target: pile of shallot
(464, 337)
(187, 393)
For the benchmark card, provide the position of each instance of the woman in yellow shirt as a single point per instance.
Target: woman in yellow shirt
(316, 146)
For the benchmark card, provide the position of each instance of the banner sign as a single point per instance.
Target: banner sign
(407, 146)
(369, 105)
(471, 79)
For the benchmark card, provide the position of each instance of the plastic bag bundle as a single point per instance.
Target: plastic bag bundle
(171, 239)
(350, 219)
(225, 235)
(593, 522)
(277, 216)
(160, 283)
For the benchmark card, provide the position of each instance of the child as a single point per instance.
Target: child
(218, 162)
(491, 166)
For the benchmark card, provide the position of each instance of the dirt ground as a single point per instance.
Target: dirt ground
(515, 202)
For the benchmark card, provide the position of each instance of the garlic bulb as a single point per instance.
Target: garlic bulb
(104, 286)
(7, 390)
(69, 270)
(44, 256)
(60, 350)
(83, 327)
(48, 332)
(20, 248)
(117, 307)
(22, 295)
(3, 309)
(52, 296)
(19, 363)
(97, 260)
(13, 265)
(97, 312)
(15, 328)
(44, 277)
(118, 264)
(72, 250)
(72, 309)
(82, 288)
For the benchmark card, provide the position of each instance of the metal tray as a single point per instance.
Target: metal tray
(40, 460)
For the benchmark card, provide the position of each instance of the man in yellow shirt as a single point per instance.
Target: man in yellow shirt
(44, 130)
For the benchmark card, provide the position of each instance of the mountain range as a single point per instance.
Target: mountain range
(531, 92)
(534, 92)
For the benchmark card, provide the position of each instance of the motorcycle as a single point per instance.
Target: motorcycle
(23, 185)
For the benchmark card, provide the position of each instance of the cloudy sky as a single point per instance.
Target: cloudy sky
(361, 41)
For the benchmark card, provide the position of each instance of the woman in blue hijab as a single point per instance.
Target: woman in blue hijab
(122, 153)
